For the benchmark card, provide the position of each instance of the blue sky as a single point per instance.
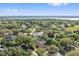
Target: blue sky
(39, 9)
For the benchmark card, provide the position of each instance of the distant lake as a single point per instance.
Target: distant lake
(40, 17)
(69, 18)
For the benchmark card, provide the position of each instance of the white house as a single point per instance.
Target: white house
(36, 34)
(23, 26)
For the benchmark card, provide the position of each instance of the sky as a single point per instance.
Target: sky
(39, 9)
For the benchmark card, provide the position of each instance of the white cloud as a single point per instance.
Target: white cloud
(11, 10)
(8, 10)
(14, 10)
(57, 4)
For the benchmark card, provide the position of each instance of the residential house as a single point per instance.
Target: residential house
(22, 34)
(40, 43)
(37, 34)
(1, 48)
(10, 37)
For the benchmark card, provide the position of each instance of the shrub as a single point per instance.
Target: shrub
(73, 53)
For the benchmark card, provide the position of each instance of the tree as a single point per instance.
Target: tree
(19, 39)
(8, 43)
(73, 53)
(51, 34)
(41, 51)
(15, 31)
(66, 45)
(29, 30)
(5, 31)
(50, 41)
(74, 36)
(1, 38)
(52, 49)
(66, 42)
(11, 51)
(28, 40)
(76, 44)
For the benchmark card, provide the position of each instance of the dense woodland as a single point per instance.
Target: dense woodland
(39, 37)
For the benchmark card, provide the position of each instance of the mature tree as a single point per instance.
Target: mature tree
(52, 49)
(66, 42)
(15, 31)
(66, 45)
(50, 41)
(73, 53)
(28, 40)
(29, 30)
(9, 43)
(41, 51)
(11, 51)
